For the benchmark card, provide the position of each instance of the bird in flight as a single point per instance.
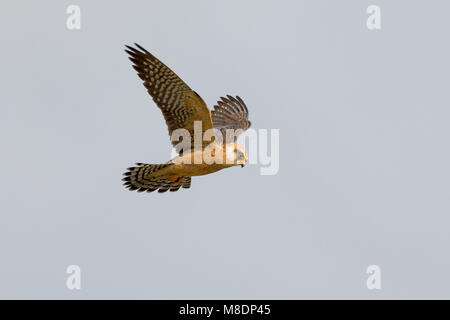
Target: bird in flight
(204, 140)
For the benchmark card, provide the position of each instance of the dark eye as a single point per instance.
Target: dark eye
(240, 156)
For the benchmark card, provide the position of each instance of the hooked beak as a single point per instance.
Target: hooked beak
(242, 165)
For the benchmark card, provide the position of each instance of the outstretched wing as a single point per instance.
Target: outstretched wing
(180, 105)
(230, 113)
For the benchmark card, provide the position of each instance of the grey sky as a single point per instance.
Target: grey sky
(364, 158)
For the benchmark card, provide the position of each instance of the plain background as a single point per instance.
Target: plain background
(364, 151)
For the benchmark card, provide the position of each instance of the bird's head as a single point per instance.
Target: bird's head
(236, 155)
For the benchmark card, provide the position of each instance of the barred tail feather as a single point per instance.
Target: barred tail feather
(141, 179)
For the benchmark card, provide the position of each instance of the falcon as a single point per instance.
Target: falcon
(206, 147)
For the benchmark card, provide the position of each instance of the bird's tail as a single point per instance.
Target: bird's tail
(151, 177)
